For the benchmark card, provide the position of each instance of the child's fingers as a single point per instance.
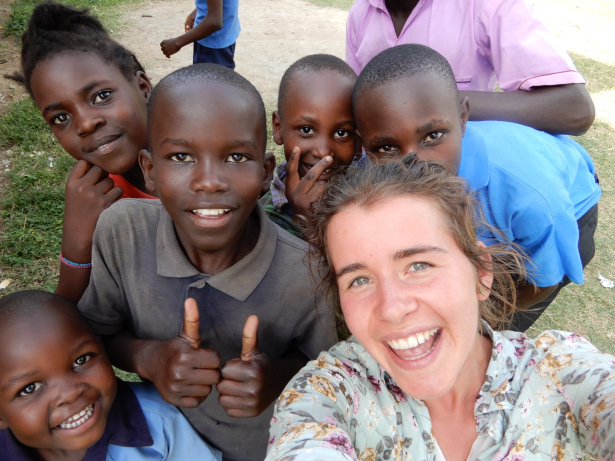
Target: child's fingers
(292, 167)
(190, 331)
(205, 359)
(314, 174)
(115, 194)
(95, 174)
(79, 170)
(249, 340)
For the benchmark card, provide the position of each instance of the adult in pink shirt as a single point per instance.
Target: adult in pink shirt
(486, 42)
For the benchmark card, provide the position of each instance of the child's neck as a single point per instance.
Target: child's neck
(400, 11)
(214, 262)
(61, 455)
(135, 177)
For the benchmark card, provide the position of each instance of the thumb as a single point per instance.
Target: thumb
(249, 341)
(190, 331)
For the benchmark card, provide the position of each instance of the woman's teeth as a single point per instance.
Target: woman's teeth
(412, 341)
(78, 419)
(210, 212)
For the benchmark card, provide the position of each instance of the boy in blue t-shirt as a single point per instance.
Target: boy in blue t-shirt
(539, 190)
(59, 397)
(213, 27)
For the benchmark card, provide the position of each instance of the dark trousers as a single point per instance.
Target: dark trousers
(587, 226)
(223, 56)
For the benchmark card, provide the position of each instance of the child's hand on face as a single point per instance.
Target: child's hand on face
(302, 192)
(89, 191)
(182, 372)
(248, 385)
(169, 47)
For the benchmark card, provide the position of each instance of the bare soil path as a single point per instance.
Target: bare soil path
(274, 34)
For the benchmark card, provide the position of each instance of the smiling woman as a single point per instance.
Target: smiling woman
(426, 374)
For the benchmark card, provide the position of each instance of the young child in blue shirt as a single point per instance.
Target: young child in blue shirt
(213, 27)
(539, 190)
(59, 397)
(315, 124)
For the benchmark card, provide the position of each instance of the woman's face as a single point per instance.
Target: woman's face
(408, 293)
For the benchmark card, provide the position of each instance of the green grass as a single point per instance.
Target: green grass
(32, 203)
(106, 10)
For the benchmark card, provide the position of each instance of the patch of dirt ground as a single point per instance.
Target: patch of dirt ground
(274, 34)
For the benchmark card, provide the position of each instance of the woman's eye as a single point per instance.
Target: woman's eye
(236, 158)
(416, 267)
(182, 158)
(60, 119)
(82, 360)
(30, 389)
(433, 137)
(360, 281)
(341, 134)
(101, 96)
(386, 149)
(306, 130)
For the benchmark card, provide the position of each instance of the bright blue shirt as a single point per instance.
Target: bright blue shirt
(230, 24)
(533, 187)
(141, 426)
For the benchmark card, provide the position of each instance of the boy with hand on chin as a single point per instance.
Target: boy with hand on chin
(60, 400)
(208, 239)
(315, 124)
(540, 190)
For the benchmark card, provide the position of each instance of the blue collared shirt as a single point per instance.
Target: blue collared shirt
(230, 24)
(140, 426)
(533, 187)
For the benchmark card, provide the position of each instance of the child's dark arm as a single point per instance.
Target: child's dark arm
(562, 109)
(251, 383)
(528, 294)
(210, 24)
(88, 193)
(182, 372)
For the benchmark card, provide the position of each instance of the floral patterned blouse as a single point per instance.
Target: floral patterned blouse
(549, 398)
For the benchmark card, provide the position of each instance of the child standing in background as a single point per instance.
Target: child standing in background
(94, 98)
(213, 27)
(486, 42)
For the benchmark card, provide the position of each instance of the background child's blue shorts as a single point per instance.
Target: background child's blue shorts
(223, 56)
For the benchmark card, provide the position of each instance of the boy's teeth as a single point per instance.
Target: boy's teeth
(412, 341)
(326, 171)
(102, 147)
(210, 212)
(78, 419)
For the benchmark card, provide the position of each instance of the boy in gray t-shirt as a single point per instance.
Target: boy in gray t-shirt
(207, 243)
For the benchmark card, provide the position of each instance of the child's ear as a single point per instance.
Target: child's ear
(143, 83)
(269, 166)
(147, 166)
(464, 111)
(276, 127)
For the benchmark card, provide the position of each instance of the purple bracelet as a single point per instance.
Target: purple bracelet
(75, 265)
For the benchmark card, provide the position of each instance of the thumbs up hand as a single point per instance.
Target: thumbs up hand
(248, 384)
(182, 372)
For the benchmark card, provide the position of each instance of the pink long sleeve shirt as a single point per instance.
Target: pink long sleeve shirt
(485, 41)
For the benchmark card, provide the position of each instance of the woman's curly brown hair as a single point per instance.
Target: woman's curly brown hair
(365, 187)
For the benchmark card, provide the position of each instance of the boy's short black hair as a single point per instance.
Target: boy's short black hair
(310, 64)
(202, 73)
(26, 305)
(54, 28)
(403, 61)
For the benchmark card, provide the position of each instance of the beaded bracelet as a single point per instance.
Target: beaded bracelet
(75, 265)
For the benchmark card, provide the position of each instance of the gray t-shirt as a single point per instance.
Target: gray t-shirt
(141, 278)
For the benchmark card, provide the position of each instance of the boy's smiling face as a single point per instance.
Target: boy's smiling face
(317, 117)
(92, 109)
(207, 163)
(417, 114)
(56, 383)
